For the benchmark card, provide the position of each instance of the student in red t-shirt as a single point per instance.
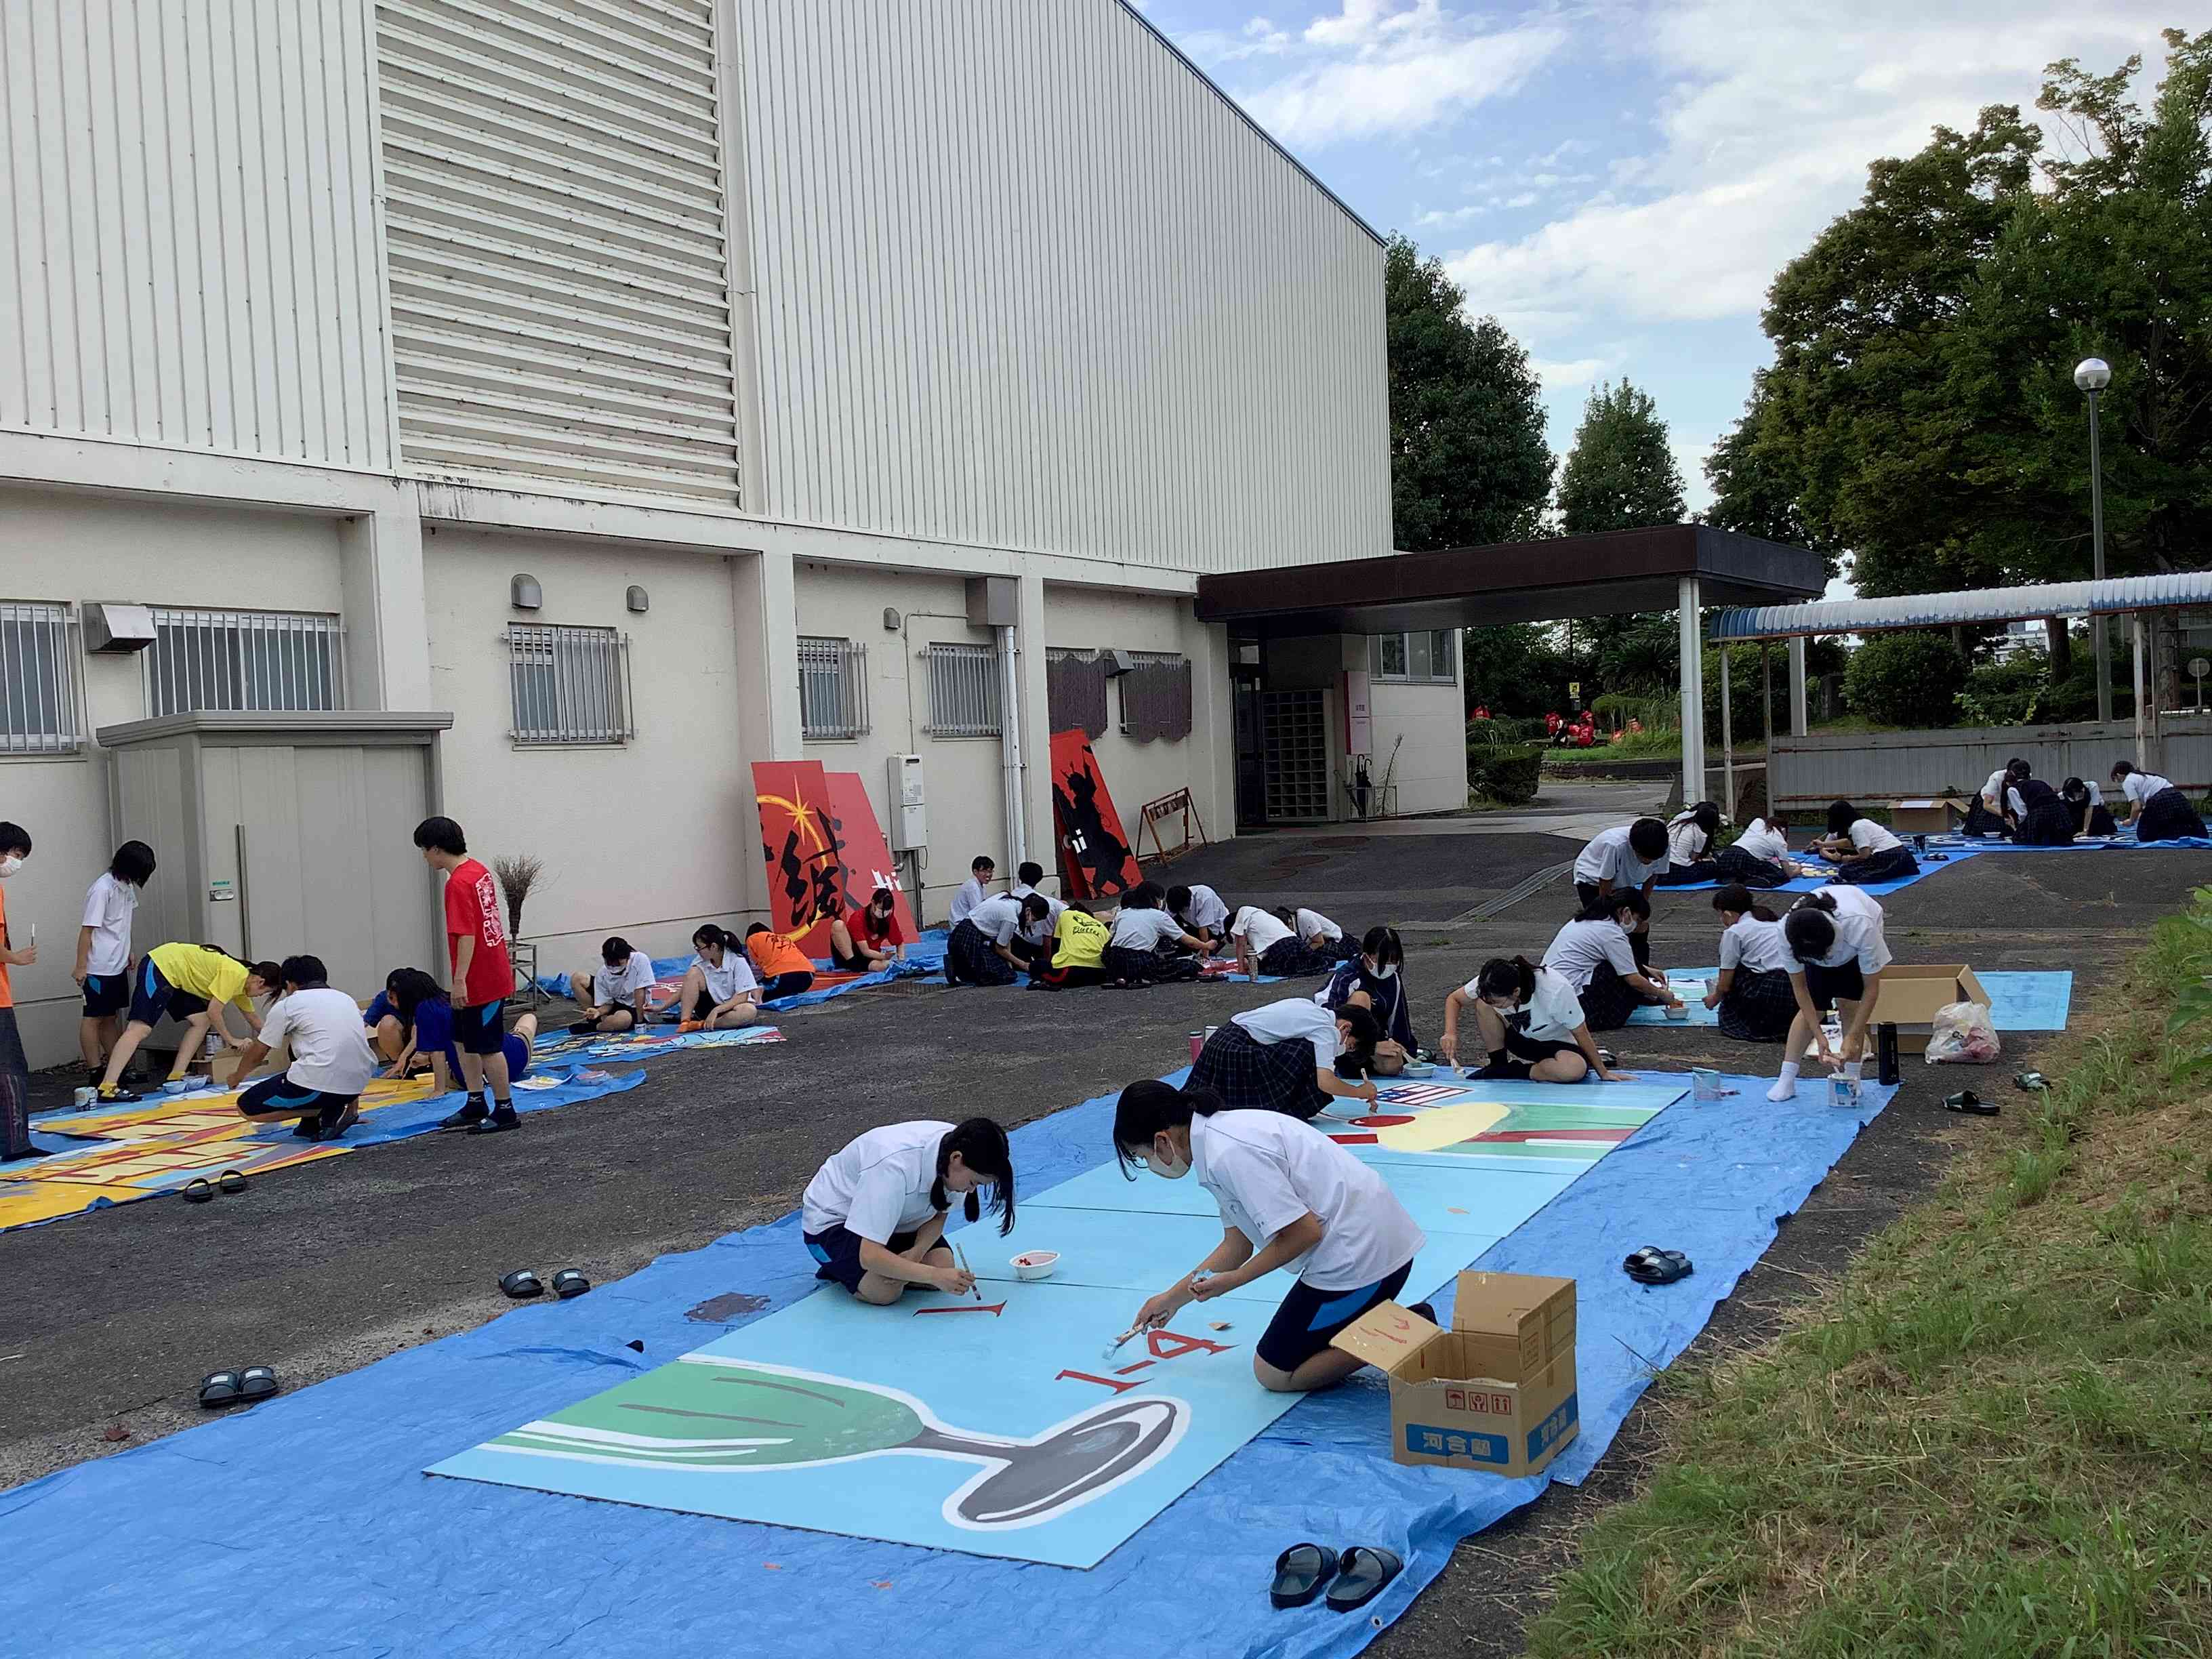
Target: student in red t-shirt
(475, 941)
(785, 970)
(870, 938)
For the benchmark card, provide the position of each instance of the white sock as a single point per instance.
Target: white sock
(1785, 1086)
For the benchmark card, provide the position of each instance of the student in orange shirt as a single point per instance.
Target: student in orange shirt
(14, 1068)
(785, 970)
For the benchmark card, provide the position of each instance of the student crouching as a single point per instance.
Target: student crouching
(1752, 994)
(1285, 1057)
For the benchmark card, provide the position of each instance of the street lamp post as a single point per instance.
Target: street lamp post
(2091, 376)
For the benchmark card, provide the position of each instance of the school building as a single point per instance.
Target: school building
(543, 412)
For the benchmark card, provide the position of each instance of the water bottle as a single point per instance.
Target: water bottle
(1885, 1040)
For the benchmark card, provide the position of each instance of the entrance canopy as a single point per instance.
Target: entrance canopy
(1677, 567)
(1968, 608)
(1619, 574)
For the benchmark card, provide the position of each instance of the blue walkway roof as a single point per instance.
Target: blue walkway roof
(1980, 604)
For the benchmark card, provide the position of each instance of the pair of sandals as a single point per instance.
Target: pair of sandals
(522, 1283)
(238, 1387)
(1304, 1572)
(200, 1190)
(1653, 1266)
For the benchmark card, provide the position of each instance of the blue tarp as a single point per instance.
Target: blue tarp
(304, 1525)
(2018, 1002)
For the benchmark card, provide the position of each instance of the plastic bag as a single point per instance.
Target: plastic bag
(1963, 1036)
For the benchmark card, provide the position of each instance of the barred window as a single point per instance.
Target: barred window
(833, 688)
(963, 691)
(1426, 655)
(571, 684)
(39, 708)
(204, 660)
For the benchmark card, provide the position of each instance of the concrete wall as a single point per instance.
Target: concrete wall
(648, 838)
(1431, 767)
(1880, 766)
(65, 547)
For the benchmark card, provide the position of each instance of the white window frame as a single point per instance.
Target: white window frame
(39, 650)
(199, 662)
(963, 691)
(586, 696)
(833, 690)
(1407, 674)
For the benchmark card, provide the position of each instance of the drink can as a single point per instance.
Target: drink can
(1197, 1042)
(84, 1096)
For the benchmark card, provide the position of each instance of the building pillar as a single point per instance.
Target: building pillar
(1691, 642)
(1039, 841)
(1212, 772)
(387, 645)
(1797, 686)
(766, 625)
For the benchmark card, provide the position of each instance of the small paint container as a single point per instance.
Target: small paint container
(1844, 1092)
(83, 1097)
(1704, 1083)
(1418, 1068)
(1036, 1264)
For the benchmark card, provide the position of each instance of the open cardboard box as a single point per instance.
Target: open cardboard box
(1495, 1392)
(1912, 992)
(1929, 816)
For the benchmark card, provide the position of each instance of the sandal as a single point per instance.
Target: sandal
(1967, 1101)
(1302, 1571)
(569, 1283)
(220, 1388)
(1363, 1574)
(257, 1383)
(1653, 1266)
(198, 1190)
(232, 1180)
(521, 1285)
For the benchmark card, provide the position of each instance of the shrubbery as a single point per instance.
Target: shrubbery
(1906, 679)
(1504, 774)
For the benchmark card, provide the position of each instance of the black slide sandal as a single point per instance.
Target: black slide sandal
(232, 1180)
(1653, 1266)
(1302, 1571)
(1364, 1574)
(220, 1388)
(257, 1383)
(521, 1285)
(198, 1190)
(1967, 1101)
(569, 1283)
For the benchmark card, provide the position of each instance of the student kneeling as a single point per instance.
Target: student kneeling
(1282, 1057)
(874, 1216)
(981, 949)
(1531, 1024)
(331, 1060)
(1289, 1197)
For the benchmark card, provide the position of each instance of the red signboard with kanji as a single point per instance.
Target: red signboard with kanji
(823, 849)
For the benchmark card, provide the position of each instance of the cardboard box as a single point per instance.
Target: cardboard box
(1912, 992)
(1938, 815)
(1495, 1392)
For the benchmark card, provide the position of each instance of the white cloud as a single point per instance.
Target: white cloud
(1376, 68)
(1579, 371)
(1446, 218)
(1764, 135)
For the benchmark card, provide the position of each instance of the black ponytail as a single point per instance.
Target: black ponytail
(982, 1147)
(410, 987)
(1148, 1108)
(1740, 898)
(1811, 931)
(1501, 977)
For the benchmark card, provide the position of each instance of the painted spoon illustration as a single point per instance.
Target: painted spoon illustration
(724, 1416)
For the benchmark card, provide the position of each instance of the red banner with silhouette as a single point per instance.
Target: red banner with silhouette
(1096, 859)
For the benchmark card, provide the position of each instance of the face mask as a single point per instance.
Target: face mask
(10, 864)
(1389, 971)
(1169, 1169)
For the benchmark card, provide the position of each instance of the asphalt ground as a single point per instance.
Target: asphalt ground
(113, 1317)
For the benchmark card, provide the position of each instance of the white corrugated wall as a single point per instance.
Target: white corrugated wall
(554, 212)
(187, 239)
(1025, 280)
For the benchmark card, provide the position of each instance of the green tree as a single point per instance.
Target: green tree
(1621, 474)
(1906, 679)
(1519, 668)
(1468, 462)
(1756, 484)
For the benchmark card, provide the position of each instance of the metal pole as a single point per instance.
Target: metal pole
(2142, 700)
(1689, 637)
(1797, 686)
(1728, 741)
(1010, 748)
(2102, 638)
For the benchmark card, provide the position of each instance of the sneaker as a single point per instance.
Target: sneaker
(111, 1094)
(470, 1116)
(498, 1122)
(306, 1129)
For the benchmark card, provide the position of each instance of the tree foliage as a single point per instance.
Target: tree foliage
(1921, 410)
(1468, 461)
(1621, 474)
(1906, 679)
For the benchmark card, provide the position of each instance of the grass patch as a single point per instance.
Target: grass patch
(1992, 1434)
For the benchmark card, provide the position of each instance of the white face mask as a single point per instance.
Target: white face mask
(1169, 1169)
(10, 864)
(1389, 971)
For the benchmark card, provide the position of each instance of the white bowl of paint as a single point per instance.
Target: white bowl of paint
(1036, 1264)
(1417, 1069)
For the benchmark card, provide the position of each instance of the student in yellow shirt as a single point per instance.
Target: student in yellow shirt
(192, 984)
(1077, 955)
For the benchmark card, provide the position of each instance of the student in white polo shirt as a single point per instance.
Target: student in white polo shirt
(1595, 954)
(1834, 951)
(1200, 910)
(1143, 935)
(981, 950)
(2158, 809)
(331, 1062)
(1985, 813)
(1754, 994)
(1267, 946)
(1282, 1057)
(613, 993)
(874, 1216)
(1529, 1022)
(1289, 1197)
(1321, 936)
(1759, 857)
(1864, 851)
(1627, 858)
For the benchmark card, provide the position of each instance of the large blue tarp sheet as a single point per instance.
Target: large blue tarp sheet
(304, 1526)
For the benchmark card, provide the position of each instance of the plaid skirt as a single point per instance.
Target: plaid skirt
(1608, 999)
(2167, 816)
(969, 958)
(2050, 824)
(1252, 1076)
(1688, 875)
(1733, 864)
(1759, 1007)
(1893, 865)
(1980, 821)
(1289, 958)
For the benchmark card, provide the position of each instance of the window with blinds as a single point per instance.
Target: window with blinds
(553, 202)
(833, 688)
(40, 710)
(963, 691)
(202, 661)
(571, 685)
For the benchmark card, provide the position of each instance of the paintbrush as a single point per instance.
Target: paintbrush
(1119, 1342)
(961, 1257)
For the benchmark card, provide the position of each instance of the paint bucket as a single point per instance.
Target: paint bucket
(1197, 1042)
(1704, 1083)
(83, 1097)
(1844, 1092)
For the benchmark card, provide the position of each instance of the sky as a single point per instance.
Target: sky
(1618, 182)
